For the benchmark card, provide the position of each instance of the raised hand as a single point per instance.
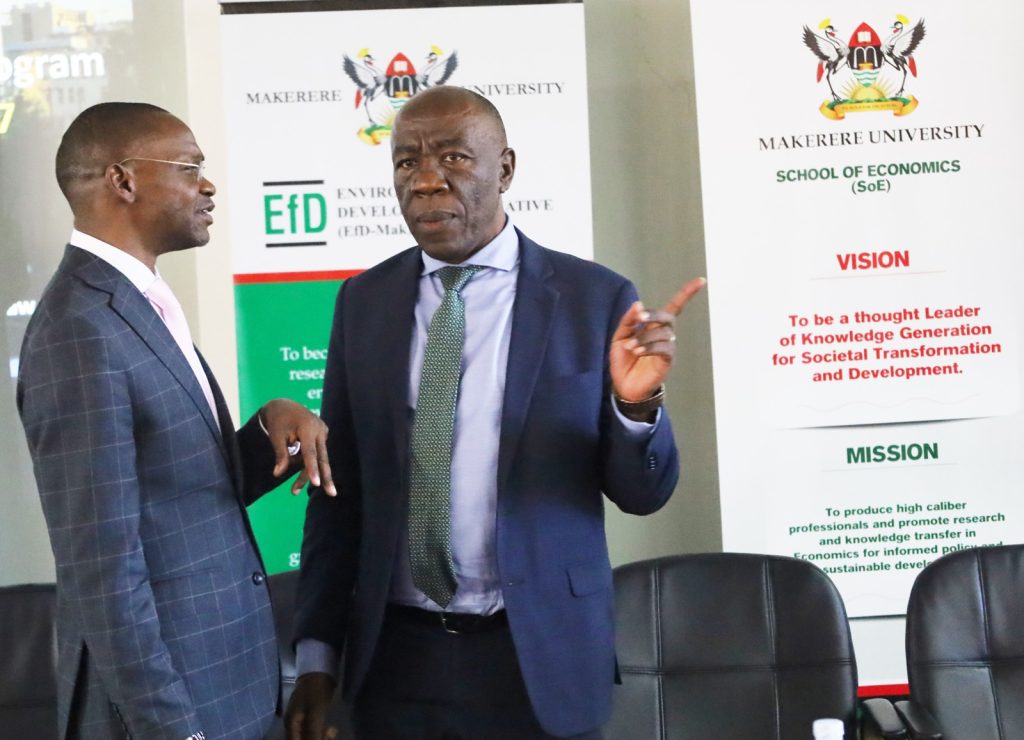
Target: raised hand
(644, 345)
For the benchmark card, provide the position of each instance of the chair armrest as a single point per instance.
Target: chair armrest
(920, 722)
(881, 715)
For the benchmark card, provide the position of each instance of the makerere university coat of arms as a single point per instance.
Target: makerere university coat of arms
(381, 93)
(861, 61)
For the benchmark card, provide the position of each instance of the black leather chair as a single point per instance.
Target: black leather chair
(282, 596)
(28, 660)
(965, 647)
(733, 647)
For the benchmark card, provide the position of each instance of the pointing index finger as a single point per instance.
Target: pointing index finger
(677, 302)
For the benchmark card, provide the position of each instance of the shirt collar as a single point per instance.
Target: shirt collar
(501, 253)
(120, 260)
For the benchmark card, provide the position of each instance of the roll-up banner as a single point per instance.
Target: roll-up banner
(862, 200)
(310, 100)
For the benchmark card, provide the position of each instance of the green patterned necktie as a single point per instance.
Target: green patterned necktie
(430, 477)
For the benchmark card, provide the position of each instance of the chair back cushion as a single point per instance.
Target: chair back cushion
(28, 646)
(965, 643)
(728, 645)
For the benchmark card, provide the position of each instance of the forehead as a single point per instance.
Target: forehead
(440, 125)
(167, 135)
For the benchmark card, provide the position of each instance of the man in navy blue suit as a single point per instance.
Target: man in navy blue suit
(558, 391)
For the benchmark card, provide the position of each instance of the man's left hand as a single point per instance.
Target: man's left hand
(644, 345)
(287, 423)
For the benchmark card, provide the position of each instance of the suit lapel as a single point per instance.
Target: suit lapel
(137, 312)
(229, 446)
(395, 340)
(532, 317)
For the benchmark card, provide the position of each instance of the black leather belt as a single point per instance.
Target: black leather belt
(455, 623)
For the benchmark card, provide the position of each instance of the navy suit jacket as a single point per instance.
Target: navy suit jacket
(560, 449)
(163, 616)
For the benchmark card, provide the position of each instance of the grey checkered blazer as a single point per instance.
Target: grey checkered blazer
(164, 621)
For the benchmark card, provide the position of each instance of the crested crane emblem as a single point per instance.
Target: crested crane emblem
(866, 73)
(381, 92)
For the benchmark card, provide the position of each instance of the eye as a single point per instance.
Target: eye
(454, 157)
(405, 164)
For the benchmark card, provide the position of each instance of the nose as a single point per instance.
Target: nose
(428, 179)
(206, 187)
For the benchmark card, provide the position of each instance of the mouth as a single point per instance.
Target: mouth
(207, 213)
(434, 220)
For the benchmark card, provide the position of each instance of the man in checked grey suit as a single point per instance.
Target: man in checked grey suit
(163, 616)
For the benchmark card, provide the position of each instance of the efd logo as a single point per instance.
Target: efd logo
(380, 94)
(294, 213)
(860, 63)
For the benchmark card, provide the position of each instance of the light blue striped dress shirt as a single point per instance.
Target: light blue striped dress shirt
(488, 299)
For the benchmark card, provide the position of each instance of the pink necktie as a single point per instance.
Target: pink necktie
(160, 295)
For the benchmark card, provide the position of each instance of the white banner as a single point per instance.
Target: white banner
(863, 220)
(310, 99)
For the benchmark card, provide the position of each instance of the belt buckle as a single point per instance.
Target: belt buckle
(444, 623)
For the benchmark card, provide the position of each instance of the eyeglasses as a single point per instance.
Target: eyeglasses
(199, 168)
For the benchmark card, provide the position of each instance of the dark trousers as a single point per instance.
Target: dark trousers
(427, 684)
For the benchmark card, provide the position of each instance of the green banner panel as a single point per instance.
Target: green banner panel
(283, 329)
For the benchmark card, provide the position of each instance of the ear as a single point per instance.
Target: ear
(508, 169)
(121, 182)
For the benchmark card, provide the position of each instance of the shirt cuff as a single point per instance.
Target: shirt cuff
(313, 656)
(636, 429)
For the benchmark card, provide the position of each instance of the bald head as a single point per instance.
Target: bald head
(98, 137)
(446, 99)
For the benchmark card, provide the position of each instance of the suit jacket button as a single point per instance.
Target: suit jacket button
(258, 578)
(652, 462)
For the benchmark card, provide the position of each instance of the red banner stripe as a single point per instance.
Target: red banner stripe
(884, 689)
(293, 277)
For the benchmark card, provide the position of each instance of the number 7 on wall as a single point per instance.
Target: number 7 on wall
(6, 114)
